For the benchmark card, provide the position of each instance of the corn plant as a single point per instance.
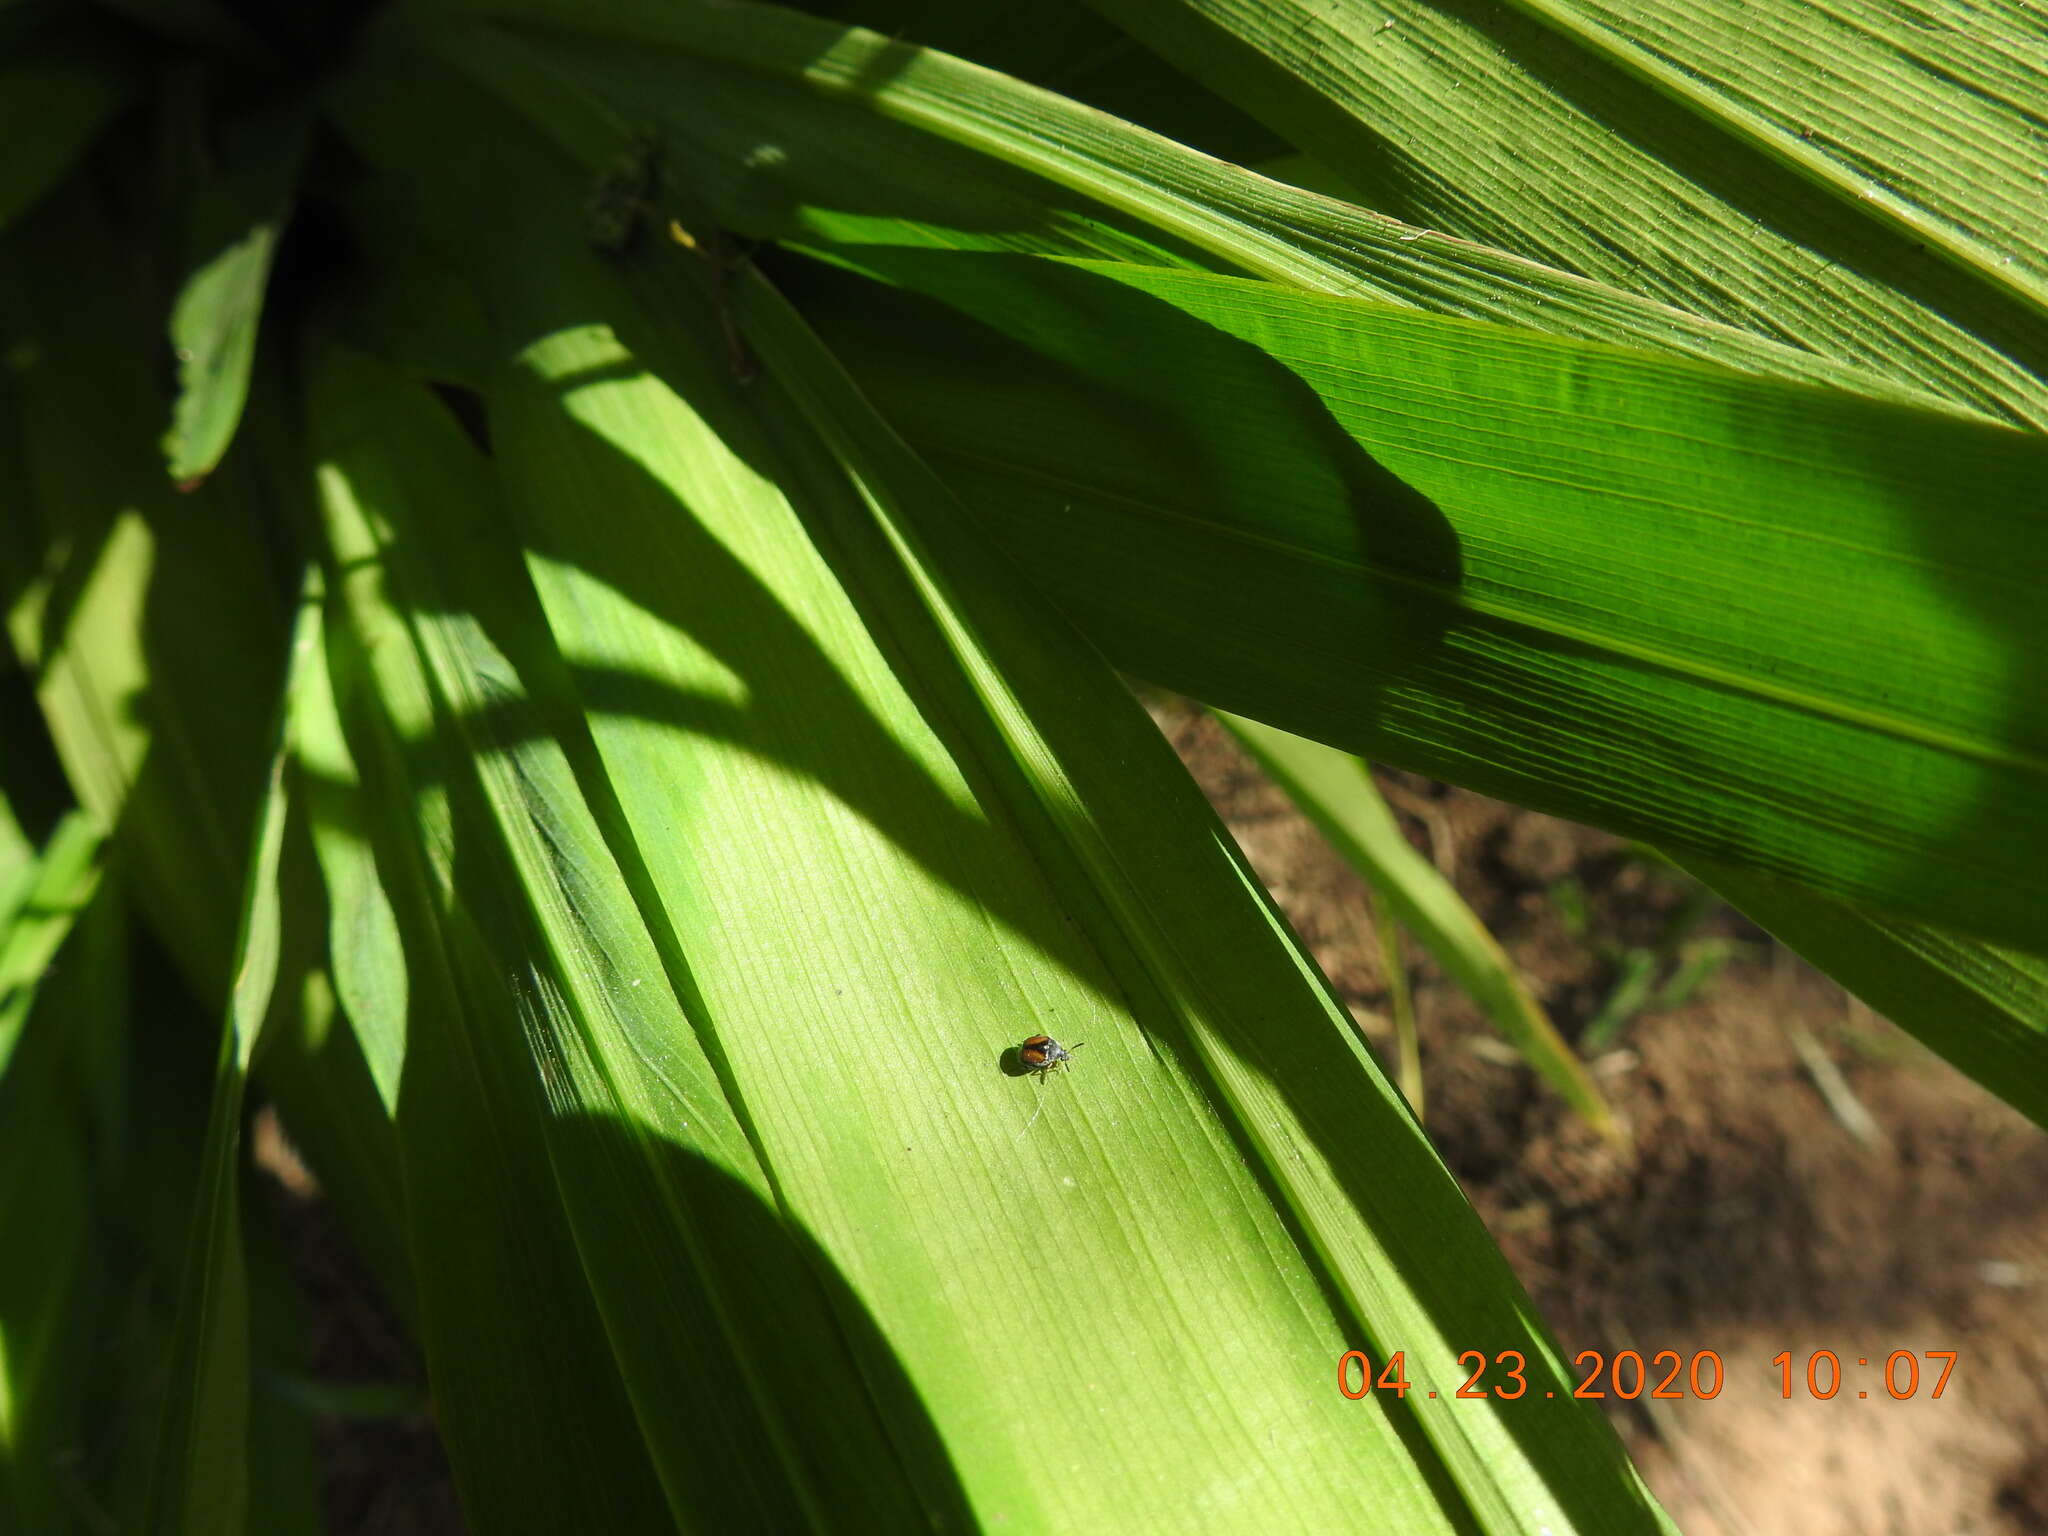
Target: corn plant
(570, 568)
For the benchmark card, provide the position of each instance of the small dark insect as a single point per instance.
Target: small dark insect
(1042, 1054)
(1040, 1057)
(622, 196)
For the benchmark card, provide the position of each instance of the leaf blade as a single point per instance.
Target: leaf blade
(1711, 610)
(1715, 164)
(199, 1477)
(236, 217)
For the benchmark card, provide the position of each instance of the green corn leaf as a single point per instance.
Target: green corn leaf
(686, 806)
(55, 889)
(236, 215)
(1948, 103)
(932, 91)
(200, 1478)
(1336, 791)
(1986, 1029)
(149, 621)
(1850, 180)
(546, 1431)
(334, 1046)
(314, 1069)
(860, 792)
(1777, 626)
(795, 128)
(367, 953)
(104, 1111)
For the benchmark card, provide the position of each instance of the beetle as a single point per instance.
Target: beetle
(1042, 1054)
(1040, 1057)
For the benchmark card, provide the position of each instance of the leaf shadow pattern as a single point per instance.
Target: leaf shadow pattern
(1474, 695)
(1966, 336)
(772, 1257)
(766, 157)
(1016, 331)
(775, 684)
(1391, 1179)
(1196, 576)
(682, 1343)
(159, 627)
(1977, 341)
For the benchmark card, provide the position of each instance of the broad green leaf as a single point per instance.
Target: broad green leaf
(235, 217)
(57, 888)
(1983, 1007)
(18, 853)
(1926, 126)
(1320, 242)
(1852, 180)
(17, 862)
(1336, 791)
(526, 1378)
(768, 157)
(812, 131)
(332, 1073)
(1888, 962)
(367, 954)
(1066, 47)
(150, 621)
(1777, 626)
(200, 1481)
(104, 1110)
(314, 1069)
(862, 789)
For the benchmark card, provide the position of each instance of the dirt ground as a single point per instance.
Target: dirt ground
(1805, 1177)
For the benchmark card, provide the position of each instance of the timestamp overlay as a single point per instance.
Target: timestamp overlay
(1818, 1375)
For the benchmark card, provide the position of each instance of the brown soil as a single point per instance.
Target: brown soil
(1751, 1218)
(381, 1476)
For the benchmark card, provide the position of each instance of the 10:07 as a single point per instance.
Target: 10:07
(1824, 1372)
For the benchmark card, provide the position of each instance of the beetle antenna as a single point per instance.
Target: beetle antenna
(1032, 1121)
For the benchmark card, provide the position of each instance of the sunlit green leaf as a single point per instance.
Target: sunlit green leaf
(236, 216)
(684, 806)
(1682, 156)
(57, 887)
(874, 796)
(1776, 625)
(792, 127)
(546, 1432)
